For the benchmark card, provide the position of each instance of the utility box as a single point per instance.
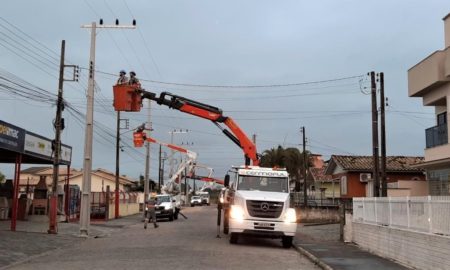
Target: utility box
(127, 98)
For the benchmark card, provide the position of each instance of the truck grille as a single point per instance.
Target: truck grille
(264, 209)
(159, 208)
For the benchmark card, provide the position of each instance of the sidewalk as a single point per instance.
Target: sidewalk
(322, 243)
(31, 239)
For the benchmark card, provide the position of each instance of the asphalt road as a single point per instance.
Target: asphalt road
(182, 244)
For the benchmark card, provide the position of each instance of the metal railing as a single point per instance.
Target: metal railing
(430, 214)
(436, 136)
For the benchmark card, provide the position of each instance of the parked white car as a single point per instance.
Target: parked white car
(196, 200)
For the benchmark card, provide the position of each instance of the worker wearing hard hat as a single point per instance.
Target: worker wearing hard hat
(150, 211)
(123, 79)
(133, 80)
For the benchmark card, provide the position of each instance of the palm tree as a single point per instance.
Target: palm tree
(273, 157)
(290, 158)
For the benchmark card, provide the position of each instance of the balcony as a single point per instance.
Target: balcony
(429, 73)
(436, 136)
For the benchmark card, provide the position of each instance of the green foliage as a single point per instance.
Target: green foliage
(290, 158)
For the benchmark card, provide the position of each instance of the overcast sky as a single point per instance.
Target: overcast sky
(227, 43)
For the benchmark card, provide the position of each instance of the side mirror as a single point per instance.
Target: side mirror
(226, 181)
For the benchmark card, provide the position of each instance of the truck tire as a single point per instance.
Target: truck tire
(171, 216)
(234, 238)
(287, 241)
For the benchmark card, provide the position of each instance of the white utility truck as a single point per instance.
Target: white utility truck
(262, 208)
(259, 205)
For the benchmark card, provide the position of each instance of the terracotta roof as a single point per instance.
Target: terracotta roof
(34, 170)
(364, 163)
(318, 174)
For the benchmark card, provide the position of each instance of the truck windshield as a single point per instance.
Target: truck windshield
(271, 184)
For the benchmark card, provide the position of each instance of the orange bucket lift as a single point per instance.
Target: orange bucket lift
(126, 98)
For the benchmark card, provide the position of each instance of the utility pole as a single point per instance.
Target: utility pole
(171, 160)
(375, 135)
(116, 191)
(186, 196)
(85, 210)
(305, 165)
(147, 155)
(383, 137)
(53, 227)
(160, 170)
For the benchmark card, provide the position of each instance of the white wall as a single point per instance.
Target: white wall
(413, 249)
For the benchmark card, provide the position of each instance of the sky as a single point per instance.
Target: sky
(308, 59)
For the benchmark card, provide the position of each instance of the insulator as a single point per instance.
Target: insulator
(101, 21)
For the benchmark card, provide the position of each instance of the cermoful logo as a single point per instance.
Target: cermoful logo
(266, 174)
(9, 131)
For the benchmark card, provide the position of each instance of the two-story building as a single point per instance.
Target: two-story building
(430, 80)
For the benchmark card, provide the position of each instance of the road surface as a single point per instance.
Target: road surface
(183, 244)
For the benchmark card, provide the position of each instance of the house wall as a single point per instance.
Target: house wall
(356, 188)
(98, 184)
(398, 192)
(125, 209)
(413, 249)
(329, 189)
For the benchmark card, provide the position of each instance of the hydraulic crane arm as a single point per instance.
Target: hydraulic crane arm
(139, 137)
(234, 132)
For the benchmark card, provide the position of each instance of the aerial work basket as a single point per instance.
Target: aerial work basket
(127, 98)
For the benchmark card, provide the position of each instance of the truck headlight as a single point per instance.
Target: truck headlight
(236, 212)
(290, 216)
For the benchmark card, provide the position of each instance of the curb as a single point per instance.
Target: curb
(311, 257)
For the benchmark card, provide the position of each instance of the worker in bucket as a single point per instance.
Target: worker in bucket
(150, 212)
(133, 80)
(123, 79)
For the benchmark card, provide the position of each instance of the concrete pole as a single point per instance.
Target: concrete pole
(383, 138)
(147, 156)
(85, 211)
(116, 190)
(376, 163)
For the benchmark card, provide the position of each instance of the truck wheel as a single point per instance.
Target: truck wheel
(234, 238)
(192, 205)
(171, 217)
(287, 241)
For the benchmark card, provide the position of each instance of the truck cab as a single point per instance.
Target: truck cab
(260, 205)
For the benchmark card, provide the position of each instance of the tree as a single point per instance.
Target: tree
(290, 158)
(273, 157)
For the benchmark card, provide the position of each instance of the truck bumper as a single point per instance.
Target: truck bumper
(264, 228)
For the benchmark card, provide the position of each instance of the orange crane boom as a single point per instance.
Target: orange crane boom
(234, 132)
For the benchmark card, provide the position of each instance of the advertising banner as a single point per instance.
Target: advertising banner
(11, 137)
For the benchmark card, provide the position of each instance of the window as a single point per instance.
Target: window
(344, 185)
(442, 119)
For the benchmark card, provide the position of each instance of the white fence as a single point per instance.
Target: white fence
(429, 214)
